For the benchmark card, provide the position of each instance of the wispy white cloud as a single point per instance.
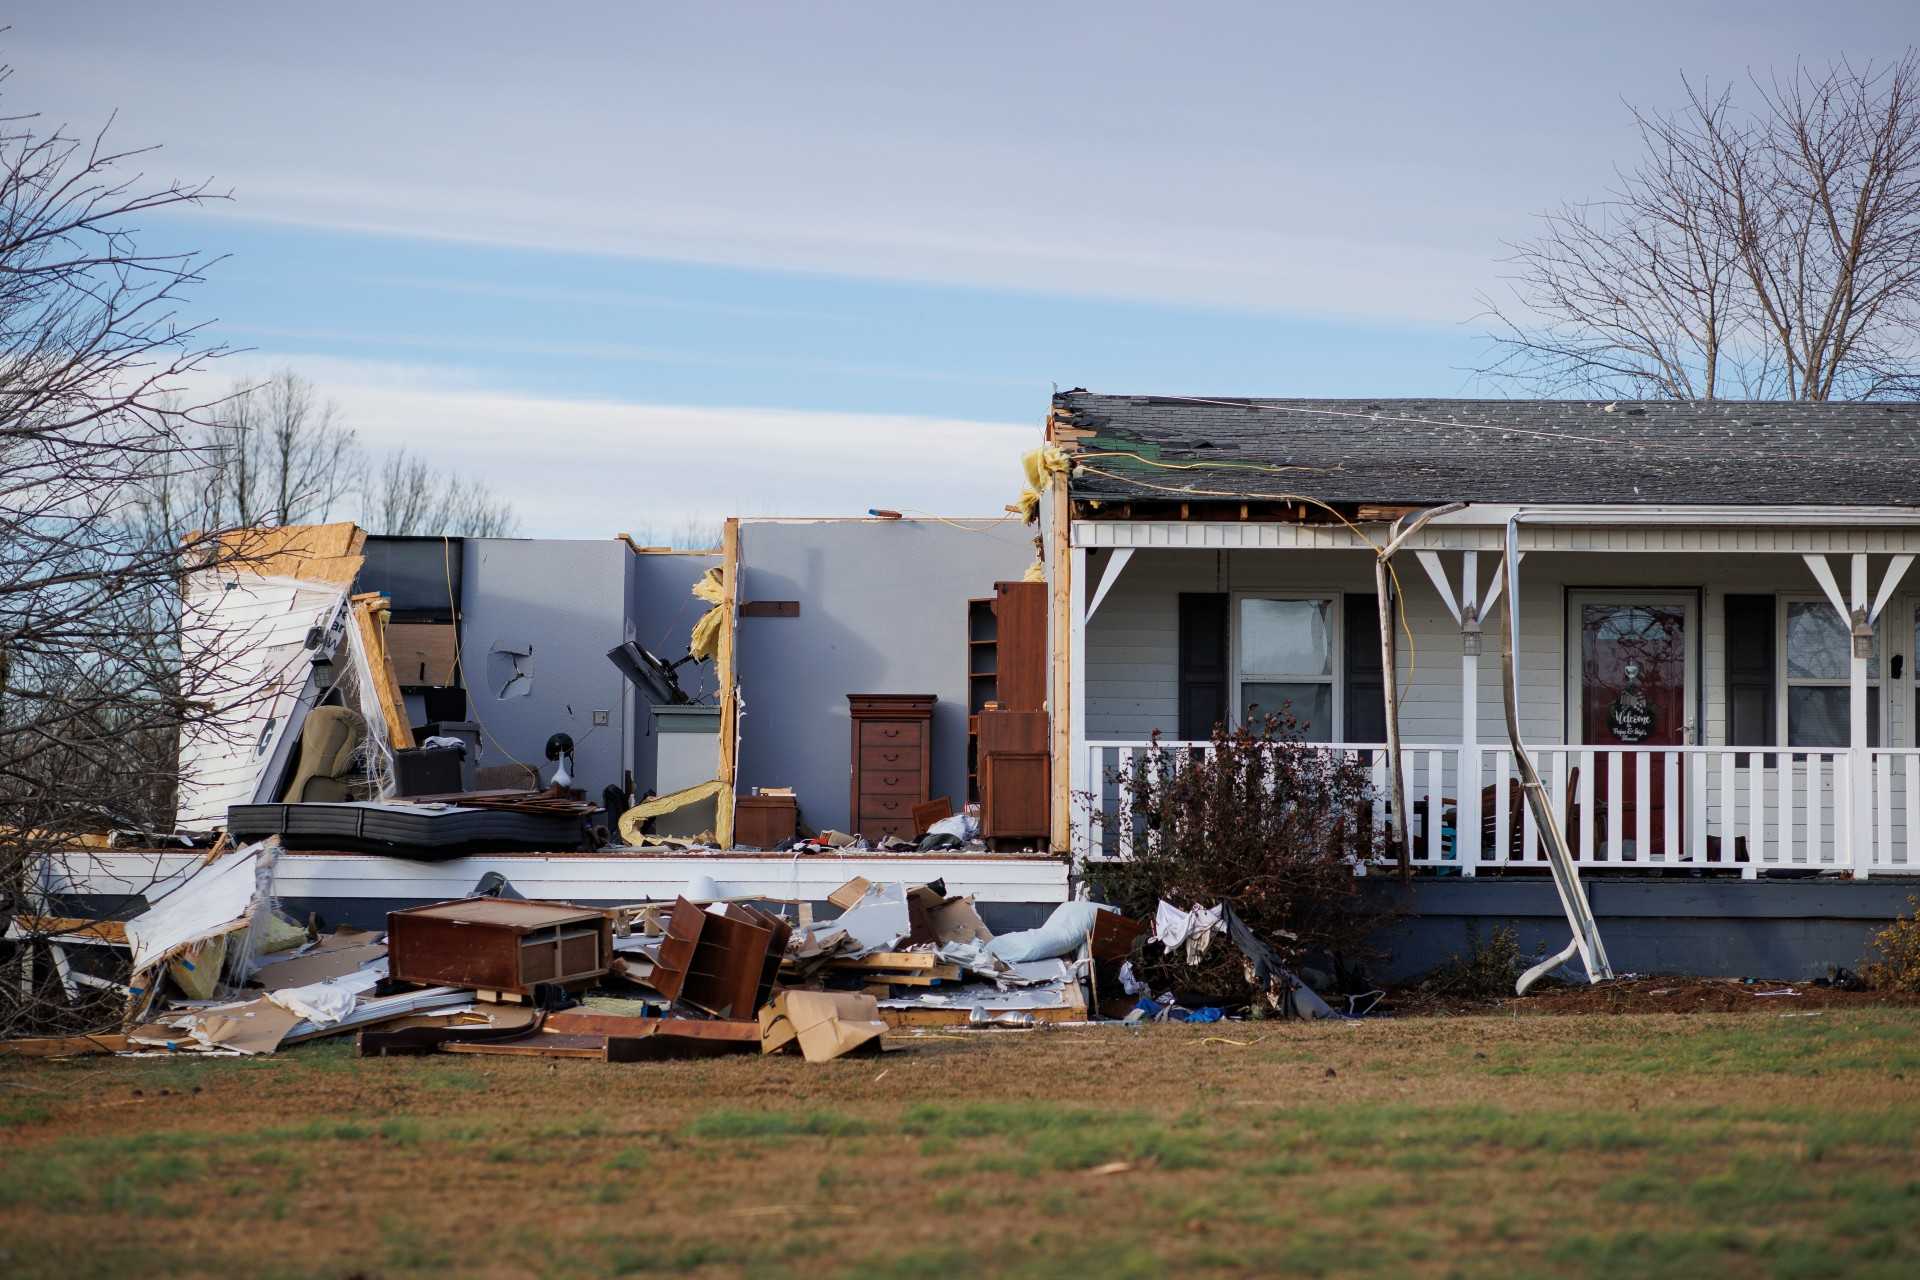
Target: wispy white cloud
(622, 352)
(593, 468)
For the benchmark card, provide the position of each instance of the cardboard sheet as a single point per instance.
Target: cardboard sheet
(257, 1026)
(319, 965)
(826, 1024)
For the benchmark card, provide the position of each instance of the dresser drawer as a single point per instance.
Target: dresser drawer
(884, 808)
(890, 733)
(880, 829)
(890, 759)
(891, 782)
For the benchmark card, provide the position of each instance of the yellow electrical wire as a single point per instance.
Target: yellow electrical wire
(980, 526)
(1274, 468)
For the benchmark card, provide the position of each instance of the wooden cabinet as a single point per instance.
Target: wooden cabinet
(892, 761)
(1014, 771)
(1020, 645)
(1006, 660)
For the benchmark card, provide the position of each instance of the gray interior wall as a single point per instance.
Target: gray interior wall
(566, 601)
(883, 609)
(662, 610)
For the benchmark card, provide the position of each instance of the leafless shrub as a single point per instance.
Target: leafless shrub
(1263, 820)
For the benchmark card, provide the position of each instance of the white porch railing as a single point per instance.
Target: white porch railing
(1734, 809)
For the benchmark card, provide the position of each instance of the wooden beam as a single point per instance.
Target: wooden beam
(1369, 512)
(386, 686)
(1061, 584)
(724, 661)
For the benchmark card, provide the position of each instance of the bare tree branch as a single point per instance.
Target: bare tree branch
(1772, 253)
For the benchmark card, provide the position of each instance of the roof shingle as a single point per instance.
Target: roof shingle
(1769, 453)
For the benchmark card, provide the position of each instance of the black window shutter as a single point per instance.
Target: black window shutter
(1204, 678)
(1366, 690)
(1750, 671)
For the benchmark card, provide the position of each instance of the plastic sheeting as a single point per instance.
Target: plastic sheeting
(1064, 933)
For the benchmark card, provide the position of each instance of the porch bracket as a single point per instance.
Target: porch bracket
(1856, 827)
(1566, 875)
(1115, 563)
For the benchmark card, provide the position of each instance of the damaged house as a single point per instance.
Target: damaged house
(1713, 649)
(1634, 672)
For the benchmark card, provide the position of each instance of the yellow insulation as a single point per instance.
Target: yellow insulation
(706, 632)
(630, 820)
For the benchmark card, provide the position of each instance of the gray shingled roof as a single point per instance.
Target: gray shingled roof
(1431, 451)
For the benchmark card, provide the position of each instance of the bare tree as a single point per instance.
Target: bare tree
(93, 356)
(1771, 252)
(286, 455)
(689, 533)
(408, 495)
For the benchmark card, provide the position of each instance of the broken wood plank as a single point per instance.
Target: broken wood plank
(889, 960)
(65, 1046)
(924, 979)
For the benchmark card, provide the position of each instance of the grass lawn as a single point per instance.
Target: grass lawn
(1745, 1145)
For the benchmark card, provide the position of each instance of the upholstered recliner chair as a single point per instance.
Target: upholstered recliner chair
(328, 741)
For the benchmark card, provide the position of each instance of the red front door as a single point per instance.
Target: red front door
(1633, 693)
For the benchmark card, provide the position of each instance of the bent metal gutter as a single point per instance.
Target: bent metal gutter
(1566, 875)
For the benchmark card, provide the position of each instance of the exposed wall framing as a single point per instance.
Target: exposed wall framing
(728, 684)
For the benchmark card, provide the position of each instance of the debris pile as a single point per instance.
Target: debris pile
(215, 967)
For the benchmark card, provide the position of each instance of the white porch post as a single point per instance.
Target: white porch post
(1466, 613)
(1466, 834)
(1860, 774)
(1856, 806)
(1078, 783)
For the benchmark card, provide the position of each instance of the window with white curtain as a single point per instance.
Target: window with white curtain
(1285, 662)
(1816, 659)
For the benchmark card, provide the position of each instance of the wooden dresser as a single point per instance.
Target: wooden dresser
(892, 761)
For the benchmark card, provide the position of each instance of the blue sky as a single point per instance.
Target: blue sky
(633, 264)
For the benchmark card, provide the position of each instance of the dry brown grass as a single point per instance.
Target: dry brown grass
(1473, 1146)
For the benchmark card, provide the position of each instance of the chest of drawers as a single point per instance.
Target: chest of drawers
(892, 761)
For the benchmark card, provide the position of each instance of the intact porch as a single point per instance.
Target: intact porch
(1727, 810)
(1699, 693)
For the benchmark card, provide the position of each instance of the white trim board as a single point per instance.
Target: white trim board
(579, 877)
(1758, 537)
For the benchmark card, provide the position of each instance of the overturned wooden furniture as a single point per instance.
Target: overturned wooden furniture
(721, 962)
(499, 944)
